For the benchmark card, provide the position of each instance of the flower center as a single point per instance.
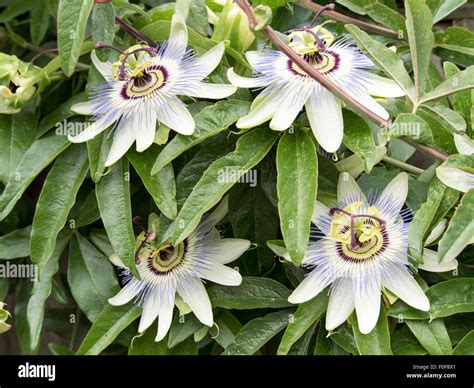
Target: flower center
(324, 61)
(145, 82)
(359, 236)
(166, 258)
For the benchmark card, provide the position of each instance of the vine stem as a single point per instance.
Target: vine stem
(403, 165)
(333, 15)
(134, 32)
(279, 43)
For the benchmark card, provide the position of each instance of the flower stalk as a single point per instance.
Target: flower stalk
(134, 32)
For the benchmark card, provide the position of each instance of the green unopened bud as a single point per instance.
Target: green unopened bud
(230, 23)
(18, 83)
(263, 16)
(4, 315)
(354, 165)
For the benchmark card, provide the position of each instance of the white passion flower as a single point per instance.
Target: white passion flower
(142, 90)
(362, 250)
(288, 88)
(167, 271)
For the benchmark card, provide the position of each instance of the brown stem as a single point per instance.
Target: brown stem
(134, 32)
(275, 38)
(440, 155)
(333, 15)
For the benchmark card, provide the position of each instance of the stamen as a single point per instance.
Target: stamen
(354, 240)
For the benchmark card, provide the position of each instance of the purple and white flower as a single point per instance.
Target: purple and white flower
(142, 90)
(288, 88)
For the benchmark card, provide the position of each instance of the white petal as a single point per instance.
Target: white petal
(221, 274)
(325, 117)
(178, 39)
(124, 137)
(126, 294)
(383, 87)
(455, 178)
(165, 316)
(86, 108)
(401, 283)
(464, 144)
(145, 130)
(95, 128)
(437, 231)
(175, 115)
(212, 91)
(367, 305)
(431, 262)
(395, 193)
(227, 250)
(348, 189)
(311, 286)
(195, 296)
(341, 303)
(151, 307)
(104, 68)
(263, 108)
(320, 215)
(217, 214)
(205, 64)
(374, 106)
(243, 82)
(289, 108)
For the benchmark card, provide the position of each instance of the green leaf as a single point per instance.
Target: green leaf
(161, 186)
(421, 39)
(17, 133)
(108, 325)
(56, 200)
(40, 16)
(59, 350)
(413, 127)
(254, 218)
(442, 135)
(378, 11)
(90, 276)
(404, 343)
(297, 185)
(446, 298)
(456, 83)
(113, 197)
(439, 197)
(462, 101)
(456, 39)
(446, 8)
(325, 346)
(182, 328)
(344, 337)
(257, 333)
(466, 346)
(41, 153)
(15, 244)
(58, 118)
(14, 9)
(72, 22)
(460, 231)
(98, 149)
(20, 321)
(197, 18)
(144, 344)
(451, 119)
(251, 148)
(358, 138)
(306, 315)
(253, 293)
(377, 342)
(103, 26)
(42, 288)
(433, 336)
(210, 121)
(384, 59)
